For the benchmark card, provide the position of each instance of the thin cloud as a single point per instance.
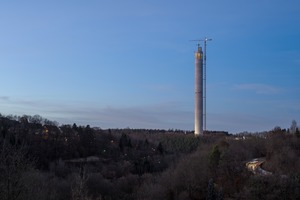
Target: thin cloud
(238, 122)
(4, 98)
(258, 88)
(149, 116)
(163, 115)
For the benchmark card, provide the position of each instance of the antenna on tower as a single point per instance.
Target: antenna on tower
(204, 78)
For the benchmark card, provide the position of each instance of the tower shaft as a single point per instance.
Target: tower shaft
(199, 91)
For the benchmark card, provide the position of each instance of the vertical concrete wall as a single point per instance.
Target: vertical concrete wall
(199, 92)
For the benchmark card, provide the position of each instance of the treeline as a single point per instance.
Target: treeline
(41, 160)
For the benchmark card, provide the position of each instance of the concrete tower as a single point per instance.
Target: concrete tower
(199, 91)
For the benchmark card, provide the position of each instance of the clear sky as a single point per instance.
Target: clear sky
(117, 64)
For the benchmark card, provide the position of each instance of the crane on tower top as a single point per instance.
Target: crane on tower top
(202, 40)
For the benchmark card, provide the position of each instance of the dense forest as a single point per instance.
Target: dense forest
(40, 159)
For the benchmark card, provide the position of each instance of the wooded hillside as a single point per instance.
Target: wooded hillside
(41, 160)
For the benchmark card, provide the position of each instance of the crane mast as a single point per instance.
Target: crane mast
(204, 84)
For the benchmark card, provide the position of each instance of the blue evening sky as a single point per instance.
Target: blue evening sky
(117, 64)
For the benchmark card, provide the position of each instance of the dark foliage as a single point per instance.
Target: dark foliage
(41, 160)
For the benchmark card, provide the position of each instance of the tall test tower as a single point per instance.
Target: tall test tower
(200, 88)
(199, 91)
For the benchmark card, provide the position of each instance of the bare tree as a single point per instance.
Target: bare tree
(79, 189)
(293, 127)
(13, 165)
